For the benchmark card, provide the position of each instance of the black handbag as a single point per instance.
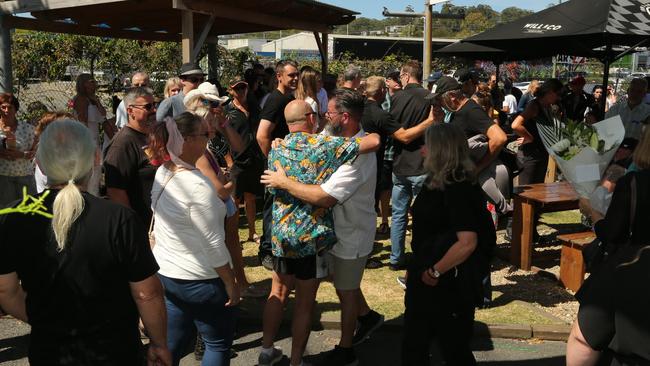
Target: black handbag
(598, 252)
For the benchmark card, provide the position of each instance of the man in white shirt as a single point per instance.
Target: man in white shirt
(351, 193)
(139, 79)
(634, 113)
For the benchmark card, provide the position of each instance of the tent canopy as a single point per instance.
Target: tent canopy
(576, 27)
(475, 51)
(162, 19)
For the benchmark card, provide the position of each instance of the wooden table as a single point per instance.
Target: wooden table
(529, 201)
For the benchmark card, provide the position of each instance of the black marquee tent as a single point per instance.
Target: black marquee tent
(592, 28)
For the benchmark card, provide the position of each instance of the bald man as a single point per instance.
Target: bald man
(302, 233)
(139, 79)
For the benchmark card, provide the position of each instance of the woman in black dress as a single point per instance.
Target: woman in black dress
(532, 156)
(453, 238)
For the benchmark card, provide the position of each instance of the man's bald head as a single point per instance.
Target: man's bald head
(299, 116)
(140, 79)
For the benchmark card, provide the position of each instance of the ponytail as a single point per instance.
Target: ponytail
(68, 206)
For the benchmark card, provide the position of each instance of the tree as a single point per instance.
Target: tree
(513, 13)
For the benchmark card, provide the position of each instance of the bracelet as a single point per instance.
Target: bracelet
(429, 274)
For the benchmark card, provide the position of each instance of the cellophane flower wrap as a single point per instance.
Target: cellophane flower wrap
(582, 152)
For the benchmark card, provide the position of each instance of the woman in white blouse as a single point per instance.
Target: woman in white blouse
(190, 248)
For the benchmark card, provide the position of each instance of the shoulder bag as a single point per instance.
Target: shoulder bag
(152, 237)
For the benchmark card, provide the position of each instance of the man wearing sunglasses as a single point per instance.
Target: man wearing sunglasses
(129, 175)
(191, 76)
(139, 79)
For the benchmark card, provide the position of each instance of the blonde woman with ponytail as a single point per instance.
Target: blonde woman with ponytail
(84, 267)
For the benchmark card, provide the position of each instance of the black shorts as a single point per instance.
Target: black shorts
(247, 177)
(302, 268)
(384, 177)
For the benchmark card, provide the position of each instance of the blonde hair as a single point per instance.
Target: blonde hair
(447, 160)
(66, 154)
(171, 82)
(641, 156)
(373, 85)
(308, 84)
(196, 106)
(532, 87)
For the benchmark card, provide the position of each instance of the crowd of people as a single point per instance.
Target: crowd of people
(326, 161)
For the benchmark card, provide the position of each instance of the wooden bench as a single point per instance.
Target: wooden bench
(572, 264)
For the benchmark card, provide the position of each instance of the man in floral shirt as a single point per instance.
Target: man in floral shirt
(302, 232)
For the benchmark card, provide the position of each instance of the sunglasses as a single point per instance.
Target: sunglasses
(148, 107)
(211, 103)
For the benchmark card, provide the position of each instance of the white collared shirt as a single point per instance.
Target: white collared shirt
(355, 218)
(633, 119)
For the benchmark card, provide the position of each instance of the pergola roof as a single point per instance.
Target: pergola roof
(162, 19)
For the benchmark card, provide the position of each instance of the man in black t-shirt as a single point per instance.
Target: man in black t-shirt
(409, 109)
(486, 139)
(274, 125)
(129, 174)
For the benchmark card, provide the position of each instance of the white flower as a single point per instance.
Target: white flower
(561, 146)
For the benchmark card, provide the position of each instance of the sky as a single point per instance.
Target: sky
(373, 8)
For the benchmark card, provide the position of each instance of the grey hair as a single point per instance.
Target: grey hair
(135, 93)
(66, 154)
(447, 157)
(352, 72)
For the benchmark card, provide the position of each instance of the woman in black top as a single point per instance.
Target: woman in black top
(613, 319)
(453, 238)
(85, 266)
(532, 156)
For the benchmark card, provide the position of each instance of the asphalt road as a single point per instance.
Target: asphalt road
(381, 350)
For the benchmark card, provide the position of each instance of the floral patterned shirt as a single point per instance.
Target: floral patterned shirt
(300, 229)
(24, 141)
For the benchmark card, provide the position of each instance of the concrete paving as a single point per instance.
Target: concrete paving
(381, 350)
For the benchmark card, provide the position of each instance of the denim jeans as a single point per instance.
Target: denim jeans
(200, 304)
(405, 188)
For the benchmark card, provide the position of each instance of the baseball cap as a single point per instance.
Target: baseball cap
(190, 68)
(578, 80)
(466, 74)
(443, 85)
(629, 143)
(434, 77)
(236, 81)
(393, 75)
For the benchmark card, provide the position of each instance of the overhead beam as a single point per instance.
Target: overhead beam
(60, 27)
(228, 12)
(204, 35)
(27, 6)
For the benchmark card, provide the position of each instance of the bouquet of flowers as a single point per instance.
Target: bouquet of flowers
(582, 151)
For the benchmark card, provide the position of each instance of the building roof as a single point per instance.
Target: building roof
(161, 19)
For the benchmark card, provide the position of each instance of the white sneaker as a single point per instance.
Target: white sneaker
(270, 360)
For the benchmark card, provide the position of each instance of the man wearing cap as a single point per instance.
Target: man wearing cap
(431, 80)
(191, 76)
(486, 139)
(409, 109)
(468, 78)
(634, 113)
(139, 79)
(576, 101)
